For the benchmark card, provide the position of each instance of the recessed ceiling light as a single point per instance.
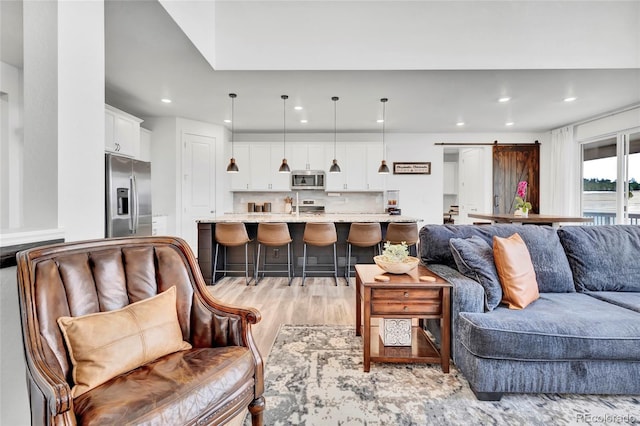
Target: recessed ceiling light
(297, 108)
(380, 120)
(504, 99)
(304, 121)
(227, 121)
(166, 100)
(570, 99)
(460, 123)
(509, 123)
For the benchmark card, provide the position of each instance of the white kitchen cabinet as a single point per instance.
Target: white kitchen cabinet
(450, 178)
(307, 156)
(241, 181)
(122, 132)
(336, 181)
(359, 163)
(278, 181)
(258, 163)
(375, 181)
(145, 145)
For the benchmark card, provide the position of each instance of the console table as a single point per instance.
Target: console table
(533, 218)
(403, 296)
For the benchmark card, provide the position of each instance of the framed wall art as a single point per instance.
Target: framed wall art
(412, 168)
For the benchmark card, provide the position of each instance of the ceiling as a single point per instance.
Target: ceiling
(148, 57)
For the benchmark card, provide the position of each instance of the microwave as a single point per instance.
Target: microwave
(307, 179)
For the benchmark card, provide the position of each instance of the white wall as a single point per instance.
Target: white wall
(81, 204)
(491, 34)
(607, 125)
(40, 177)
(166, 165)
(12, 142)
(197, 21)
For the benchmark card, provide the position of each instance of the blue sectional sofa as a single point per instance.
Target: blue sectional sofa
(581, 336)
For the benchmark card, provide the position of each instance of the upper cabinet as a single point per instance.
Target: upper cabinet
(307, 156)
(359, 163)
(145, 145)
(240, 181)
(122, 132)
(258, 165)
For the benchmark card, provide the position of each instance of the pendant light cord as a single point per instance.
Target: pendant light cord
(335, 124)
(233, 122)
(284, 125)
(384, 122)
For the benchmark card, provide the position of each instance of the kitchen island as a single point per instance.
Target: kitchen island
(296, 222)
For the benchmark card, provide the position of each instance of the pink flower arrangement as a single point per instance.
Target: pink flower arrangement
(521, 192)
(522, 189)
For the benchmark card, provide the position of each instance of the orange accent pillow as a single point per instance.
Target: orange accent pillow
(515, 270)
(106, 344)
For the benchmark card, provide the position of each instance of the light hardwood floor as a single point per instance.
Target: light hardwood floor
(319, 302)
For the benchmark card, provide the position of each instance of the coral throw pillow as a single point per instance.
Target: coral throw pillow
(106, 344)
(515, 270)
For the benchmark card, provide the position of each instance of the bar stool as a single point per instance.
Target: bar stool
(362, 235)
(273, 235)
(398, 232)
(232, 235)
(320, 235)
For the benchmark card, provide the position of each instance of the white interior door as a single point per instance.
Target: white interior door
(198, 184)
(473, 190)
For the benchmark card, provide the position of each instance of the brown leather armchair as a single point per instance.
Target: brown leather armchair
(211, 383)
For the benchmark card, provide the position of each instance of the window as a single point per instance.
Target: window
(606, 162)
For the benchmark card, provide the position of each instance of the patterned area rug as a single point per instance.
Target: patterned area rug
(314, 377)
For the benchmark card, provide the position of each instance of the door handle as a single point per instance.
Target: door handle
(495, 201)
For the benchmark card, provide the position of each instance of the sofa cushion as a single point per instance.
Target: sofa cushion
(603, 258)
(547, 255)
(517, 277)
(624, 299)
(557, 326)
(173, 390)
(474, 259)
(105, 344)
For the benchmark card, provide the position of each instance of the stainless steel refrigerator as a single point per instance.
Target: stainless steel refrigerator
(128, 196)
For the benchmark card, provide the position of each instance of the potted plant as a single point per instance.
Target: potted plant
(522, 206)
(395, 258)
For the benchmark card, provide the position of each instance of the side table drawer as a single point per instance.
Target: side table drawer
(406, 294)
(398, 308)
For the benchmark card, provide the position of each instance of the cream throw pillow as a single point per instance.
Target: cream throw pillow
(106, 344)
(515, 270)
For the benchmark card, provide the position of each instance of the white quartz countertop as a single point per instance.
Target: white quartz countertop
(308, 217)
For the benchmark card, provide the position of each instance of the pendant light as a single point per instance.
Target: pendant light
(335, 168)
(383, 169)
(232, 167)
(284, 167)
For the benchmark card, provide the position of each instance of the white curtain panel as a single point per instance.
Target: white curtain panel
(564, 173)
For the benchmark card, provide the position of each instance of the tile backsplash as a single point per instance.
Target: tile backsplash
(334, 202)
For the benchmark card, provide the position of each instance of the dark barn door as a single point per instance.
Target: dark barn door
(512, 164)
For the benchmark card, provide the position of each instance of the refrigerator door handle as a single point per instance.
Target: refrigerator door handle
(136, 206)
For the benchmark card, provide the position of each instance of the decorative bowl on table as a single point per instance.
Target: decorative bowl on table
(397, 267)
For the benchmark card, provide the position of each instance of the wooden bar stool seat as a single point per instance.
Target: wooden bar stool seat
(397, 232)
(362, 235)
(231, 235)
(320, 235)
(273, 235)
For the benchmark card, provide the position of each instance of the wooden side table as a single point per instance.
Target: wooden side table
(403, 296)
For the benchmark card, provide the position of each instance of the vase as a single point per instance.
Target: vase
(521, 213)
